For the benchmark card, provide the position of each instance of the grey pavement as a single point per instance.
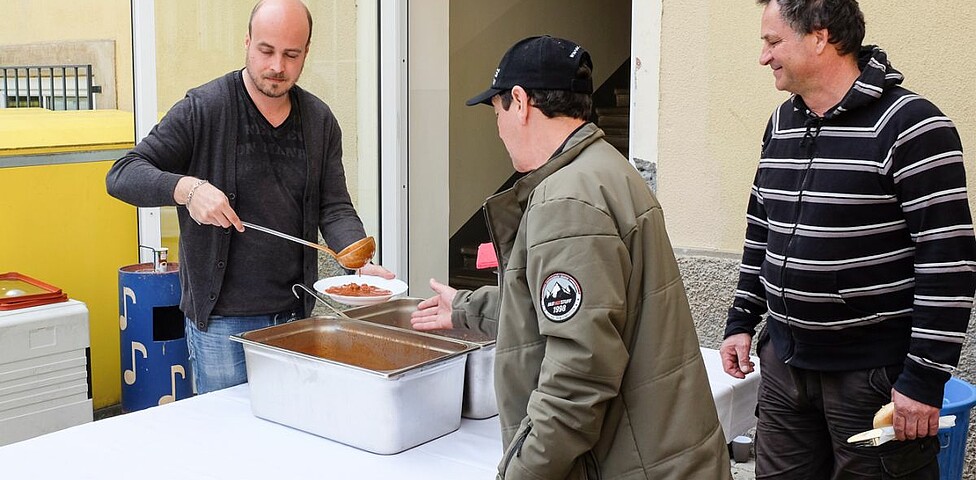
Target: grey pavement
(744, 471)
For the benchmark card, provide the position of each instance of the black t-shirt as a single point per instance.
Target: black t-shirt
(271, 173)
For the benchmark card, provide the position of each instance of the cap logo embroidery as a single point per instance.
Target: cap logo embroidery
(494, 79)
(560, 297)
(575, 50)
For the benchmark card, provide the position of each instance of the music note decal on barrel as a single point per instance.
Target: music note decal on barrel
(123, 318)
(152, 326)
(130, 374)
(173, 370)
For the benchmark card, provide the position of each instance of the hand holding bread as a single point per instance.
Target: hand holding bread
(912, 420)
(885, 415)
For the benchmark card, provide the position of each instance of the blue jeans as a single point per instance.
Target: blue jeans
(216, 362)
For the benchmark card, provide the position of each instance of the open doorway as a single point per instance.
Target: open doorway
(480, 33)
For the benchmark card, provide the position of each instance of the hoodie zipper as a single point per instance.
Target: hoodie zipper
(813, 125)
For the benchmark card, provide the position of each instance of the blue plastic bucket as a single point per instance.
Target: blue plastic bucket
(958, 400)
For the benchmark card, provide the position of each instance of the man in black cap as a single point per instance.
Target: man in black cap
(598, 370)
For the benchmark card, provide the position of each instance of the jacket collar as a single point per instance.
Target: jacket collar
(504, 210)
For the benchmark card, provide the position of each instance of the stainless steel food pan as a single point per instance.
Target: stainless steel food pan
(373, 387)
(479, 373)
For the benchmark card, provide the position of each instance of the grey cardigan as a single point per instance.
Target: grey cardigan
(198, 137)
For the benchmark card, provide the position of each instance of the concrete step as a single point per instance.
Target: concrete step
(469, 279)
(621, 142)
(613, 111)
(469, 257)
(615, 130)
(613, 121)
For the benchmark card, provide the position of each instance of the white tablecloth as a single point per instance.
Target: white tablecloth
(735, 399)
(215, 436)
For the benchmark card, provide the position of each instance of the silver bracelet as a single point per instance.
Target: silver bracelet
(189, 196)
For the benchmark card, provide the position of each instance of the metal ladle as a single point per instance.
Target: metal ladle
(353, 257)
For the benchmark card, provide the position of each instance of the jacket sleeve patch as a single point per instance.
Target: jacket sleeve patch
(560, 297)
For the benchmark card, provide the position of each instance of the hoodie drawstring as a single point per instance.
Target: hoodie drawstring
(809, 141)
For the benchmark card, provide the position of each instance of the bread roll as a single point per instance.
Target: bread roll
(884, 416)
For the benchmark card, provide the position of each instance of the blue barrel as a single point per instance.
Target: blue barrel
(959, 398)
(155, 360)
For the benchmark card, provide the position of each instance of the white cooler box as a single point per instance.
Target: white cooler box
(44, 371)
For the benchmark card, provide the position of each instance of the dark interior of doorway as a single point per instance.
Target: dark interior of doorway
(611, 112)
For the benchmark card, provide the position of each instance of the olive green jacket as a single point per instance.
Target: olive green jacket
(607, 380)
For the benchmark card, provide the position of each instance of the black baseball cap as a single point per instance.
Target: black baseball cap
(544, 63)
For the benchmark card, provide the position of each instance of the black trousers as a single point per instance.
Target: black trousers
(806, 417)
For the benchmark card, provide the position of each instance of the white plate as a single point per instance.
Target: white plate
(395, 286)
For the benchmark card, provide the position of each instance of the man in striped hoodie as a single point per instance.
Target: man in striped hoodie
(859, 251)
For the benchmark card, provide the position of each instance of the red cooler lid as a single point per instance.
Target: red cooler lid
(20, 291)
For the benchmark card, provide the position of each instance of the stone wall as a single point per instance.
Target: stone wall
(328, 267)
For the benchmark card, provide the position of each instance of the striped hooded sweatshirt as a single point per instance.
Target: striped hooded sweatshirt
(859, 241)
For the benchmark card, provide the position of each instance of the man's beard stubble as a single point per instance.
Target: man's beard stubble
(266, 90)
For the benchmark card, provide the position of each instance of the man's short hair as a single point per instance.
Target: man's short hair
(842, 18)
(558, 103)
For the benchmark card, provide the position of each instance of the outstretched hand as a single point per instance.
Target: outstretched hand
(435, 312)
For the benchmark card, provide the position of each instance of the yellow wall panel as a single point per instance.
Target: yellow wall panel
(60, 226)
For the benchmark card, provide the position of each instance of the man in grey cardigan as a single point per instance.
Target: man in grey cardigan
(249, 144)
